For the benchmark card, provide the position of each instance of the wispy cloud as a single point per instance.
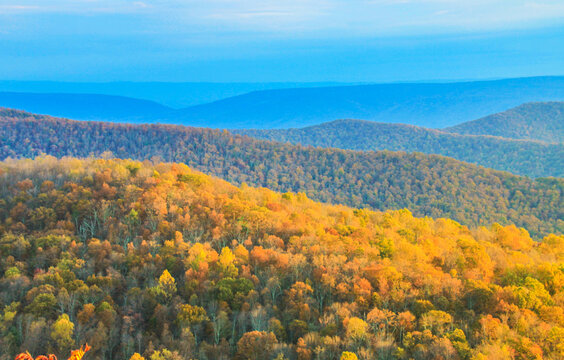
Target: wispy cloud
(341, 16)
(17, 8)
(211, 40)
(442, 12)
(73, 6)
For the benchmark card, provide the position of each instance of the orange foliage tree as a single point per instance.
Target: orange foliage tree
(75, 355)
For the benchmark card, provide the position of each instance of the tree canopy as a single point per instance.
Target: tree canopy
(163, 262)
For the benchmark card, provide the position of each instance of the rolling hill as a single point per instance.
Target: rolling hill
(161, 260)
(434, 105)
(529, 158)
(428, 185)
(533, 121)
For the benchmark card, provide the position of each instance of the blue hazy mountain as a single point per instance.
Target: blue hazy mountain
(86, 106)
(173, 94)
(433, 105)
(422, 104)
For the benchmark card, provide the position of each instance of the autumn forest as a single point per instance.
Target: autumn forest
(281, 180)
(153, 260)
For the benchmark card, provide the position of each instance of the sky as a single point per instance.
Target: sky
(283, 40)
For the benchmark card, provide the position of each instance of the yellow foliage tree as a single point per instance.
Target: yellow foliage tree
(191, 314)
(165, 354)
(356, 329)
(226, 263)
(167, 285)
(61, 332)
(347, 355)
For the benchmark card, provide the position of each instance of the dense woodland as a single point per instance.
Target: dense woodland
(535, 121)
(528, 158)
(160, 262)
(428, 185)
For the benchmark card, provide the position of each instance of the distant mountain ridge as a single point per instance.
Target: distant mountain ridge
(428, 185)
(86, 106)
(529, 158)
(175, 95)
(542, 121)
(434, 105)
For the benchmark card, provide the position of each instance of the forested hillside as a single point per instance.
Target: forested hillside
(535, 121)
(527, 158)
(164, 263)
(427, 185)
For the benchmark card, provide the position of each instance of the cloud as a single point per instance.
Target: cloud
(17, 8)
(442, 12)
(73, 6)
(313, 16)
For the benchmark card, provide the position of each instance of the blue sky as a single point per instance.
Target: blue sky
(284, 40)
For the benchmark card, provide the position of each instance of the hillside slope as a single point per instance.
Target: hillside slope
(527, 158)
(172, 264)
(534, 121)
(428, 185)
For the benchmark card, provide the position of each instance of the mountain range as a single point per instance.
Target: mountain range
(172, 94)
(434, 105)
(85, 106)
(534, 121)
(109, 236)
(428, 185)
